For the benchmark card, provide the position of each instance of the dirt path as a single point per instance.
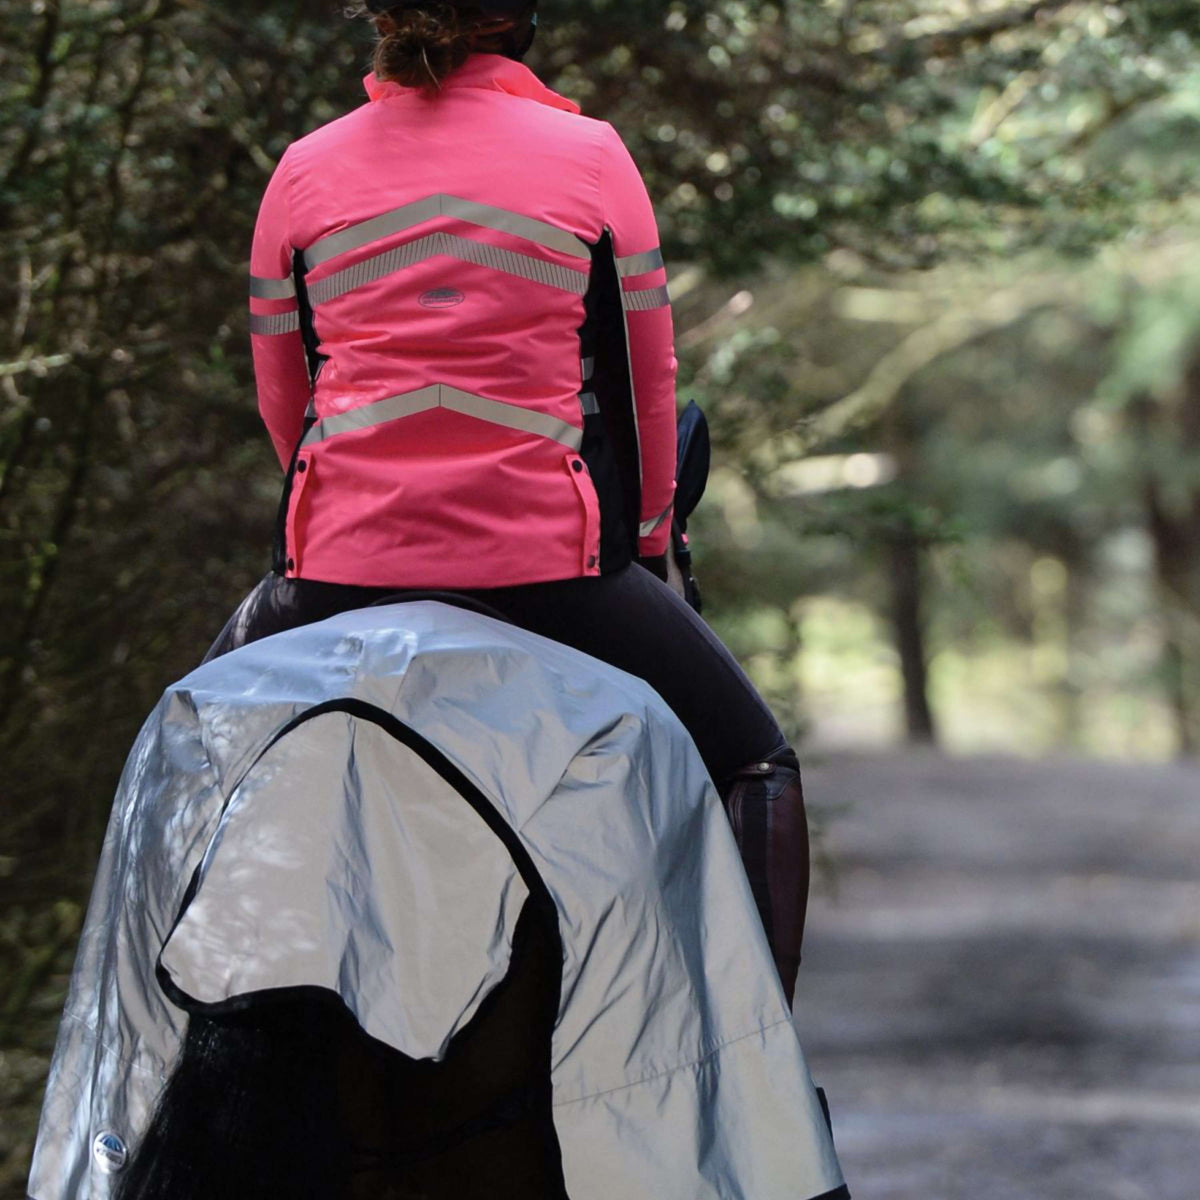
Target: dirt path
(1003, 997)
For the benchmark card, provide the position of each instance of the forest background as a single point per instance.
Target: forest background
(934, 278)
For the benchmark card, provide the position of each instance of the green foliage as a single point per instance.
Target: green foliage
(135, 487)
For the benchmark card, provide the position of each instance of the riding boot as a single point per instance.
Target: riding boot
(765, 804)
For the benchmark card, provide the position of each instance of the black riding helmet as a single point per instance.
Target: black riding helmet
(520, 44)
(493, 8)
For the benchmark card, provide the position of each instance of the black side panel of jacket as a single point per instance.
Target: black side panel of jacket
(308, 332)
(610, 446)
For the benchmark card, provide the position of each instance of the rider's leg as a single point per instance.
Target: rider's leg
(634, 621)
(765, 803)
(637, 623)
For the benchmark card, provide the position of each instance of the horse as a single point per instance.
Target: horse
(413, 903)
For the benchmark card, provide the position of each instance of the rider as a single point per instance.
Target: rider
(464, 355)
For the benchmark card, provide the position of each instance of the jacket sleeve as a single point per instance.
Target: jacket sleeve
(280, 364)
(629, 217)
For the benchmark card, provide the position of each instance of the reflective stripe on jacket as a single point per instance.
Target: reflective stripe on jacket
(475, 282)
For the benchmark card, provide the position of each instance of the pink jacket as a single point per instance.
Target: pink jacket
(475, 282)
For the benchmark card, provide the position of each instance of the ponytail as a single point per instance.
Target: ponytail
(420, 45)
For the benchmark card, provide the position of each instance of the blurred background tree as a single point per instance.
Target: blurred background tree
(933, 273)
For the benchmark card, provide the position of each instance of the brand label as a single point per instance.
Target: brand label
(441, 298)
(110, 1153)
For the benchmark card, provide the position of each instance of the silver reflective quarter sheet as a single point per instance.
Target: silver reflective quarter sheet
(329, 854)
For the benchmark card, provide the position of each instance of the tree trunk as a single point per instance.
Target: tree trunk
(1173, 520)
(1075, 619)
(1177, 565)
(908, 630)
(905, 553)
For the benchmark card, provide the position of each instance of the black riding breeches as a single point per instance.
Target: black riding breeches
(627, 618)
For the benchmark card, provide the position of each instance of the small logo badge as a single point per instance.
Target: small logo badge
(110, 1153)
(442, 298)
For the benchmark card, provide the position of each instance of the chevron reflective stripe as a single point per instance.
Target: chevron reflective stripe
(272, 289)
(394, 408)
(587, 368)
(646, 528)
(640, 264)
(645, 299)
(590, 404)
(441, 395)
(485, 215)
(276, 323)
(399, 258)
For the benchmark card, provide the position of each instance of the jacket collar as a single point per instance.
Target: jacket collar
(489, 71)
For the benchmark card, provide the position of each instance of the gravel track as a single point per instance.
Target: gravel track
(1001, 992)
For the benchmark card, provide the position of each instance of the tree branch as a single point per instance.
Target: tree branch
(39, 365)
(1116, 111)
(917, 351)
(47, 64)
(938, 41)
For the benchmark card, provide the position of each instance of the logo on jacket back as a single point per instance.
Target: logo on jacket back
(441, 298)
(110, 1152)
